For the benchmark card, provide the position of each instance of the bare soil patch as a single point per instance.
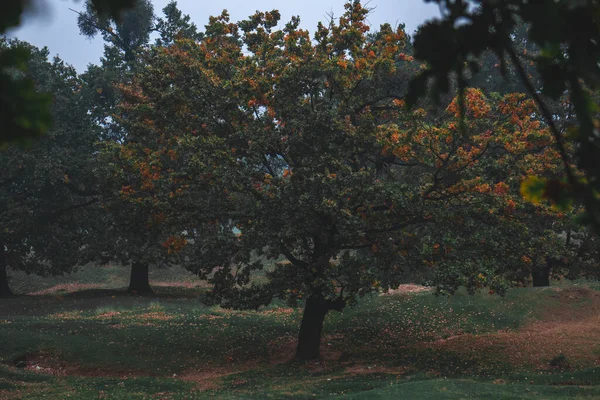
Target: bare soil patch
(185, 284)
(64, 287)
(408, 288)
(51, 364)
(210, 378)
(572, 329)
(283, 350)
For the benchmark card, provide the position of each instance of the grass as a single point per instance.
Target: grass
(104, 344)
(457, 389)
(97, 277)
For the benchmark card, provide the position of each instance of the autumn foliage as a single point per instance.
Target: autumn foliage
(256, 144)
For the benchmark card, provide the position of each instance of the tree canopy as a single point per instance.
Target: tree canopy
(305, 154)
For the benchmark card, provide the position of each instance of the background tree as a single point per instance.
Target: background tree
(24, 113)
(126, 38)
(127, 233)
(567, 63)
(128, 34)
(45, 189)
(485, 234)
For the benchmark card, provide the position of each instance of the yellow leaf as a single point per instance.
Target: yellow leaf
(533, 189)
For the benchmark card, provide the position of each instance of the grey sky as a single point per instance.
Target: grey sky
(53, 25)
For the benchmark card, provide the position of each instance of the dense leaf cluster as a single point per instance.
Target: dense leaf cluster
(567, 35)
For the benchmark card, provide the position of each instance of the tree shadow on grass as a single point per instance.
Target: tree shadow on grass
(91, 299)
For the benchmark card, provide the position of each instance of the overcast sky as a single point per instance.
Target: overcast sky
(52, 24)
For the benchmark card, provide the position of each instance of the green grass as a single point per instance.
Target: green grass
(287, 382)
(142, 347)
(35, 386)
(104, 277)
(446, 389)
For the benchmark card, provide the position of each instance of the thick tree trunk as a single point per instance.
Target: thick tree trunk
(4, 287)
(139, 283)
(541, 274)
(309, 338)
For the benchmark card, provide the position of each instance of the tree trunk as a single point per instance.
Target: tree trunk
(4, 287)
(541, 274)
(309, 339)
(139, 283)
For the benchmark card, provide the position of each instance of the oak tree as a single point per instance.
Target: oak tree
(258, 144)
(122, 230)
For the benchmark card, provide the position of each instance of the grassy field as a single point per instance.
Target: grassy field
(81, 337)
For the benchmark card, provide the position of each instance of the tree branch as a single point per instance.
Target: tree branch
(288, 254)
